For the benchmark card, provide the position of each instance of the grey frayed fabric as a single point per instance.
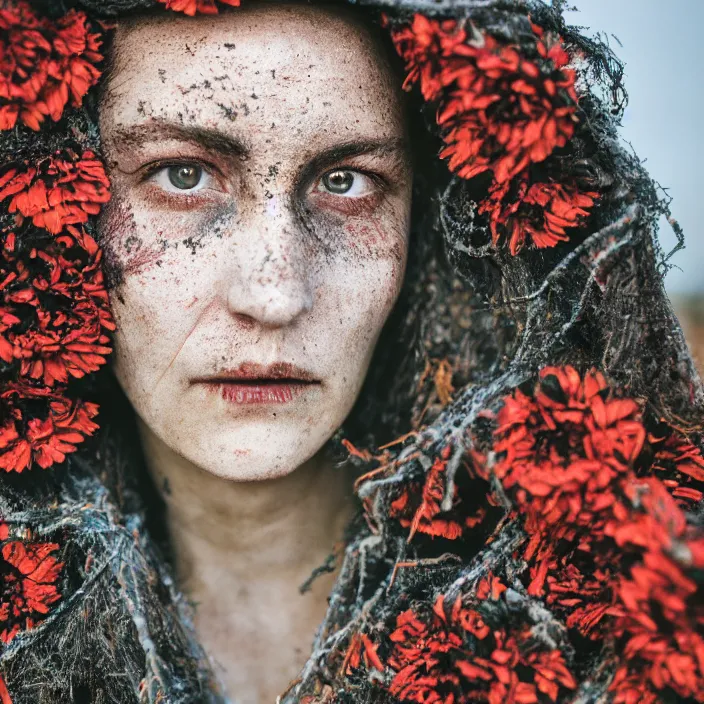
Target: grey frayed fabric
(122, 634)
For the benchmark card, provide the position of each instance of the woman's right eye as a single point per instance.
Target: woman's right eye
(185, 178)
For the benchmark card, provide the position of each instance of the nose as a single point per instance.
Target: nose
(271, 282)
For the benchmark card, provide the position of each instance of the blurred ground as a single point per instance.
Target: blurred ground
(690, 311)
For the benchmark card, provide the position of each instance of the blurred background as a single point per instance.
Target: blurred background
(660, 45)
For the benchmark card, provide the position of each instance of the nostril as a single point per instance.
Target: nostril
(245, 320)
(270, 305)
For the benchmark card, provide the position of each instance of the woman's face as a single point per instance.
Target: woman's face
(260, 218)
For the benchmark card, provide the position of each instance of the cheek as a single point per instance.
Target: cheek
(126, 244)
(138, 240)
(376, 239)
(161, 266)
(156, 309)
(359, 300)
(368, 276)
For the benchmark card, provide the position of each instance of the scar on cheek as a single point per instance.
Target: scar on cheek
(369, 239)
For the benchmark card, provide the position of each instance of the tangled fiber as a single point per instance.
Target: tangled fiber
(528, 440)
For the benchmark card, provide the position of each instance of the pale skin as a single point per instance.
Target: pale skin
(260, 215)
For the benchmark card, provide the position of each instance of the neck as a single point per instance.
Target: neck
(286, 525)
(242, 550)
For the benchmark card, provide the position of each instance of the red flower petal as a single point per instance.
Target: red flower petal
(44, 64)
(62, 190)
(28, 575)
(191, 7)
(45, 440)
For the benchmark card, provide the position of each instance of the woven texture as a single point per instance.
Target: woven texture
(535, 533)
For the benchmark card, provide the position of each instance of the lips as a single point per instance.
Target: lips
(253, 383)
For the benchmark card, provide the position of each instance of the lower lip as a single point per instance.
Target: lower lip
(247, 394)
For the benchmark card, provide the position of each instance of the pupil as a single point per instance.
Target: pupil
(185, 177)
(338, 181)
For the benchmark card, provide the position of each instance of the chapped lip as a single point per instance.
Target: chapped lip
(253, 373)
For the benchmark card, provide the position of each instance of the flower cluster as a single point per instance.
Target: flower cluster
(453, 655)
(54, 315)
(63, 189)
(40, 426)
(602, 490)
(561, 449)
(54, 310)
(191, 7)
(44, 64)
(501, 110)
(541, 211)
(29, 572)
(419, 507)
(658, 612)
(609, 546)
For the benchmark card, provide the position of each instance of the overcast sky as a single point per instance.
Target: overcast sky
(663, 48)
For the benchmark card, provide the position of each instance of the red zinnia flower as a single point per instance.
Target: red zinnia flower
(63, 189)
(45, 439)
(191, 7)
(456, 657)
(28, 575)
(659, 609)
(44, 64)
(61, 329)
(539, 211)
(499, 109)
(560, 451)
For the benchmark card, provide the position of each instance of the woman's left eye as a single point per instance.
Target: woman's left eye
(345, 182)
(185, 178)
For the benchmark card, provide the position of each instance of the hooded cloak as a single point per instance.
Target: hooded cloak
(528, 438)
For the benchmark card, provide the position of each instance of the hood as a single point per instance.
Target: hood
(528, 446)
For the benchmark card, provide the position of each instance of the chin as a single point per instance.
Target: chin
(246, 459)
(252, 469)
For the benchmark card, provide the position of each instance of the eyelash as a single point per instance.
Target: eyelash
(187, 199)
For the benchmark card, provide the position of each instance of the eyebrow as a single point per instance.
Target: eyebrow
(395, 146)
(214, 140)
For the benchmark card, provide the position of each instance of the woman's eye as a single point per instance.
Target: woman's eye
(182, 178)
(344, 182)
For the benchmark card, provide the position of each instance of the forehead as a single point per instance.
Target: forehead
(303, 69)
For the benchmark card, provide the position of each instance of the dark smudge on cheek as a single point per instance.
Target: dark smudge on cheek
(374, 239)
(125, 250)
(218, 224)
(354, 239)
(130, 248)
(203, 230)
